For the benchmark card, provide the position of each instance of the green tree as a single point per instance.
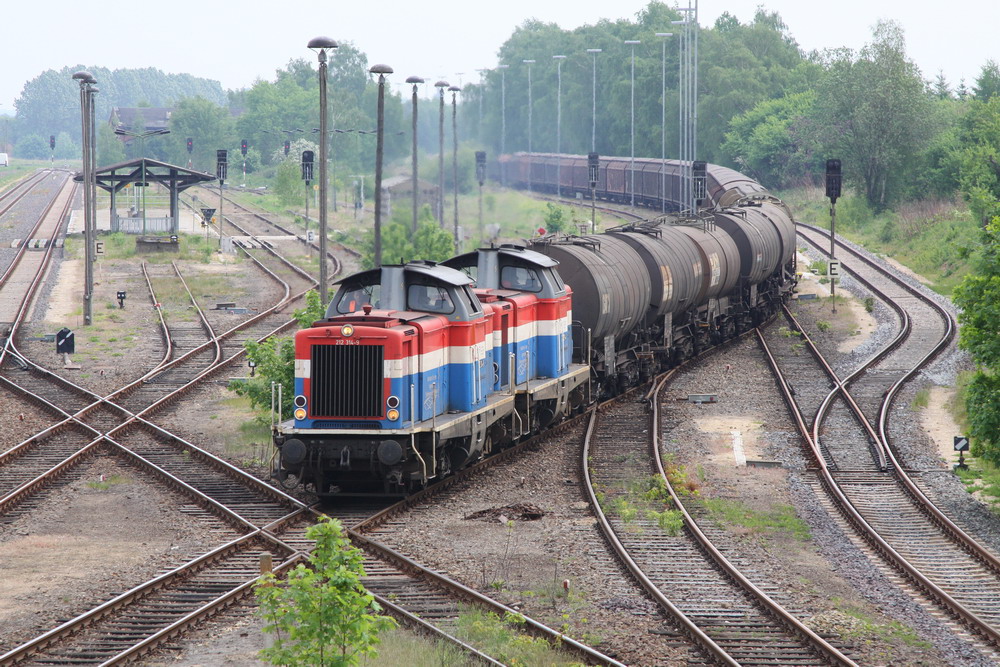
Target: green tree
(210, 127)
(774, 142)
(978, 157)
(988, 82)
(32, 147)
(288, 183)
(275, 363)
(555, 218)
(874, 113)
(322, 616)
(109, 146)
(978, 296)
(399, 245)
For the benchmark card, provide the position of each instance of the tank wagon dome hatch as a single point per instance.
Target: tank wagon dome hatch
(512, 267)
(418, 286)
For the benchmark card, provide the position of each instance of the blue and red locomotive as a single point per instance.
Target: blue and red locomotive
(423, 368)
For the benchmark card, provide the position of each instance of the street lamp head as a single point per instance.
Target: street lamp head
(322, 43)
(595, 50)
(380, 69)
(664, 34)
(528, 62)
(633, 41)
(558, 57)
(414, 79)
(83, 76)
(502, 66)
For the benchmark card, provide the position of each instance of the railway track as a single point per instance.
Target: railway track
(726, 611)
(845, 428)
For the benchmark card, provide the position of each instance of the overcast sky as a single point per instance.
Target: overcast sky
(236, 43)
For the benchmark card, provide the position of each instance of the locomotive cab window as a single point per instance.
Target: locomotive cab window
(353, 296)
(520, 278)
(429, 299)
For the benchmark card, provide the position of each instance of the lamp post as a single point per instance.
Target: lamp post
(593, 97)
(503, 108)
(381, 70)
(415, 80)
(87, 91)
(482, 89)
(663, 124)
(481, 177)
(559, 60)
(321, 44)
(529, 63)
(441, 85)
(632, 43)
(688, 93)
(454, 155)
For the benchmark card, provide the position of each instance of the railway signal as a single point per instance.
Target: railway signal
(288, 147)
(190, 145)
(65, 341)
(243, 147)
(833, 179)
(52, 141)
(961, 446)
(121, 298)
(593, 172)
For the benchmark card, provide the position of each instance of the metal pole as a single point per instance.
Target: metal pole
(593, 102)
(663, 124)
(528, 63)
(381, 70)
(323, 184)
(833, 280)
(454, 157)
(632, 42)
(415, 80)
(441, 85)
(503, 108)
(559, 61)
(694, 100)
(87, 195)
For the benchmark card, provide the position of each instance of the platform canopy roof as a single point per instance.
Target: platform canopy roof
(145, 170)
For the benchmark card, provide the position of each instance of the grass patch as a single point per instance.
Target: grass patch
(779, 519)
(105, 484)
(921, 399)
(503, 639)
(866, 627)
(402, 647)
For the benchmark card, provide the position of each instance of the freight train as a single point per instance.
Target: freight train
(421, 369)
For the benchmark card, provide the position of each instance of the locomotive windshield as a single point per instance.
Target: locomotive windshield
(353, 296)
(520, 278)
(429, 299)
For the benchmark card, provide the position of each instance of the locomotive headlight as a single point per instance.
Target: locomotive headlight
(392, 415)
(299, 401)
(347, 331)
(392, 402)
(300, 413)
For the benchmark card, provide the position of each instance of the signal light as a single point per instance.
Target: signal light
(190, 144)
(243, 147)
(52, 141)
(288, 147)
(833, 179)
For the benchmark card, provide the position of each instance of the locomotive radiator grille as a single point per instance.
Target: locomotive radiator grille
(346, 381)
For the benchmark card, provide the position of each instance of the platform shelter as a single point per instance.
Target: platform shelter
(141, 172)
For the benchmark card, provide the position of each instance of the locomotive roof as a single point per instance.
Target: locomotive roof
(438, 272)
